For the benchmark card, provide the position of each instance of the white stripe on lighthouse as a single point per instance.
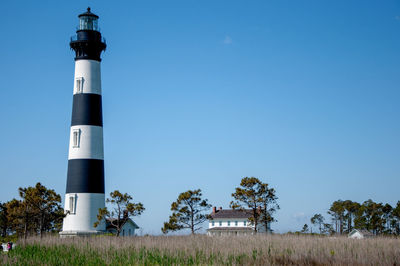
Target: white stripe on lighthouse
(89, 72)
(89, 142)
(83, 212)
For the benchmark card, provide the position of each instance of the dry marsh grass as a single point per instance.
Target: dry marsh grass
(204, 250)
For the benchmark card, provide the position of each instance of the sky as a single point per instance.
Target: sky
(303, 95)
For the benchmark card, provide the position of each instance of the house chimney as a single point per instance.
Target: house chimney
(214, 209)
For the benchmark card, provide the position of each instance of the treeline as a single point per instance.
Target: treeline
(37, 211)
(378, 218)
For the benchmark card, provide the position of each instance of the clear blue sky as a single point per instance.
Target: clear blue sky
(198, 94)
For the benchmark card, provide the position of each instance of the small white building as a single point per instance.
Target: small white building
(230, 222)
(127, 230)
(360, 234)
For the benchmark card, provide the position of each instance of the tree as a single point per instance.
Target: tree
(374, 216)
(122, 210)
(187, 212)
(22, 217)
(351, 209)
(328, 229)
(304, 230)
(16, 217)
(43, 206)
(259, 198)
(337, 212)
(268, 199)
(359, 218)
(396, 218)
(319, 220)
(38, 211)
(4, 223)
(388, 217)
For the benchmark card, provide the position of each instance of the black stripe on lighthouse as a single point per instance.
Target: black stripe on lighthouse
(87, 110)
(85, 176)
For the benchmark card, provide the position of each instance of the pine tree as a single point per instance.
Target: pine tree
(187, 212)
(259, 198)
(319, 220)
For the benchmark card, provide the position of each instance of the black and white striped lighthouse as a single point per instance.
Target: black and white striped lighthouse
(85, 180)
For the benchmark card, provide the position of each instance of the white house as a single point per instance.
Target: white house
(230, 222)
(360, 234)
(127, 230)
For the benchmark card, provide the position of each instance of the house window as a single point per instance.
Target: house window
(123, 232)
(212, 223)
(236, 223)
(79, 85)
(129, 232)
(72, 204)
(220, 223)
(244, 223)
(229, 223)
(76, 135)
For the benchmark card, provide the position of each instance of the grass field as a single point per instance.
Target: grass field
(202, 250)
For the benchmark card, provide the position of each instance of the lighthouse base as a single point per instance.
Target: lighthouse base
(81, 211)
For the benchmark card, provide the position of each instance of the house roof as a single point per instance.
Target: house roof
(231, 229)
(109, 220)
(231, 213)
(361, 231)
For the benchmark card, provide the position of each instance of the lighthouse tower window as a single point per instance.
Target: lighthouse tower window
(72, 204)
(79, 85)
(76, 135)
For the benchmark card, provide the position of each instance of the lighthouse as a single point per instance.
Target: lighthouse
(85, 179)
